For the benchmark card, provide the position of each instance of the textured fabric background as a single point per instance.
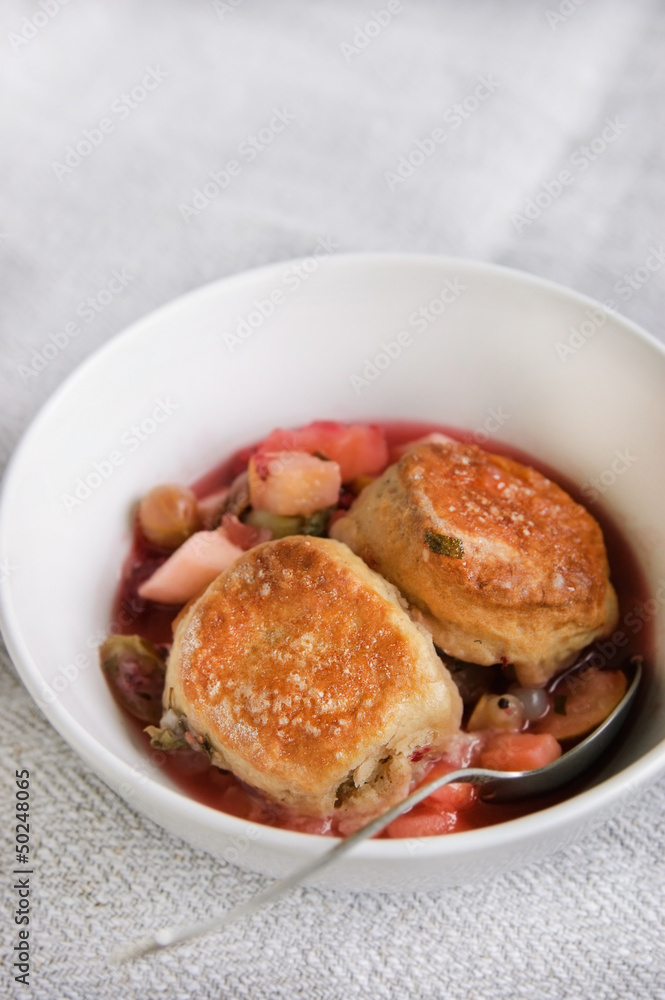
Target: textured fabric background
(587, 923)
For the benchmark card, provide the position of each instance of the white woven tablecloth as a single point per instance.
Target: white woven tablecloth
(354, 91)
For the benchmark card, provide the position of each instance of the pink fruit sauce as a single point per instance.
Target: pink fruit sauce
(453, 808)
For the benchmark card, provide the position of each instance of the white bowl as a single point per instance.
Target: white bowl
(342, 338)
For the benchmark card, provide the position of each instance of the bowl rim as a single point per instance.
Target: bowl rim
(578, 808)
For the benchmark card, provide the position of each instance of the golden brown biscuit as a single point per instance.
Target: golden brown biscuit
(301, 669)
(532, 586)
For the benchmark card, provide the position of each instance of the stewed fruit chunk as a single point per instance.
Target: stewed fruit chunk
(457, 796)
(168, 515)
(292, 482)
(212, 507)
(135, 671)
(190, 569)
(245, 536)
(358, 449)
(439, 812)
(422, 821)
(580, 702)
(519, 751)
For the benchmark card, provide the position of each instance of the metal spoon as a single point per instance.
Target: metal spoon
(496, 785)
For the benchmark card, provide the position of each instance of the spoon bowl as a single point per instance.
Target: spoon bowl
(504, 786)
(495, 786)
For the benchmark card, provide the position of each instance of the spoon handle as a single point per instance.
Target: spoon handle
(512, 783)
(169, 936)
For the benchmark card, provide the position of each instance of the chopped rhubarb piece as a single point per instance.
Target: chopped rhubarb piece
(210, 508)
(456, 796)
(292, 482)
(358, 449)
(581, 701)
(245, 536)
(422, 821)
(191, 568)
(519, 751)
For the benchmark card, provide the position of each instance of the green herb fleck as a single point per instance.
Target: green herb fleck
(445, 545)
(560, 704)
